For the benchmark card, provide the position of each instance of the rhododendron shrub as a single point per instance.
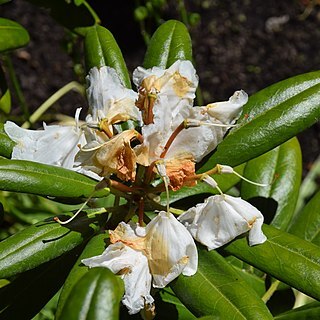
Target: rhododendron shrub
(173, 200)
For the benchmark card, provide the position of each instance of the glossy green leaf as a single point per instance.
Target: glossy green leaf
(255, 282)
(281, 170)
(309, 185)
(45, 241)
(271, 117)
(307, 223)
(6, 144)
(169, 307)
(97, 295)
(5, 101)
(29, 292)
(95, 247)
(12, 35)
(217, 289)
(283, 256)
(5, 96)
(101, 49)
(77, 18)
(41, 179)
(170, 42)
(309, 311)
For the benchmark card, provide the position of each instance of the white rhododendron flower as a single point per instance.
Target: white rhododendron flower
(140, 159)
(115, 156)
(55, 145)
(170, 249)
(109, 100)
(200, 140)
(166, 102)
(172, 91)
(133, 267)
(221, 218)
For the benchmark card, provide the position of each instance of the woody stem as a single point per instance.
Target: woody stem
(149, 174)
(120, 186)
(141, 211)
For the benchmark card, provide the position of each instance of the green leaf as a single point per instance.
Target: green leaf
(284, 256)
(95, 247)
(216, 289)
(307, 223)
(97, 295)
(6, 144)
(281, 169)
(42, 179)
(169, 307)
(170, 42)
(29, 292)
(271, 117)
(101, 49)
(309, 185)
(307, 312)
(5, 96)
(248, 275)
(12, 35)
(45, 241)
(76, 18)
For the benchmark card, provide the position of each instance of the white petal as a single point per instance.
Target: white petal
(55, 145)
(252, 215)
(170, 249)
(190, 218)
(133, 265)
(228, 111)
(177, 91)
(197, 141)
(221, 219)
(216, 223)
(107, 96)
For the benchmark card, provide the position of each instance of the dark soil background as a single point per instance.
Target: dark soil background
(237, 45)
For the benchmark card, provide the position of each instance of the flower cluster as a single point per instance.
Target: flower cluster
(165, 137)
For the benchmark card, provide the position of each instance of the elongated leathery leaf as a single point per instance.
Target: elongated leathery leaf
(12, 35)
(271, 117)
(252, 280)
(216, 289)
(307, 223)
(45, 241)
(170, 42)
(95, 247)
(30, 291)
(284, 256)
(5, 96)
(281, 169)
(168, 306)
(101, 49)
(6, 144)
(307, 312)
(97, 295)
(41, 179)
